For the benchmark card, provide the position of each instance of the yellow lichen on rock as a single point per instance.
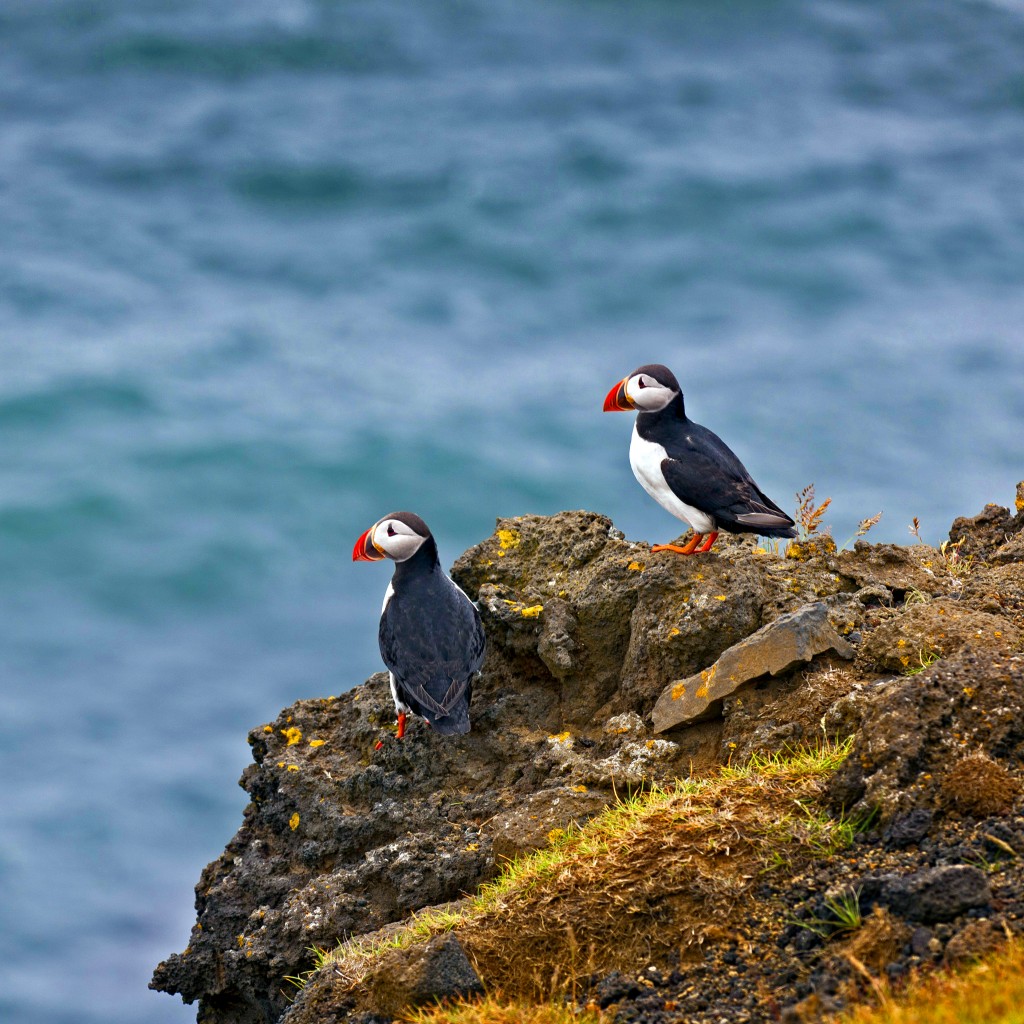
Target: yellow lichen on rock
(508, 539)
(317, 743)
(293, 821)
(293, 735)
(530, 612)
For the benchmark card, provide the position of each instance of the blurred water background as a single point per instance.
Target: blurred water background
(272, 269)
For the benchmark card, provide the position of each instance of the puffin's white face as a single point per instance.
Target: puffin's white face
(647, 394)
(395, 539)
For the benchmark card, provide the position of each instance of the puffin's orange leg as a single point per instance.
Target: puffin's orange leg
(706, 546)
(398, 735)
(691, 545)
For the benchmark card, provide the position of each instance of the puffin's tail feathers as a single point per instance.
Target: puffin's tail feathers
(767, 531)
(768, 524)
(454, 724)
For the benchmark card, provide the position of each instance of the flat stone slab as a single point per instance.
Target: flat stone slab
(791, 639)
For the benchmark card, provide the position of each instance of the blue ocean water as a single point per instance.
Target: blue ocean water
(270, 270)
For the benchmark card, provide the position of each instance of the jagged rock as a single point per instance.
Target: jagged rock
(928, 722)
(1010, 551)
(820, 546)
(527, 826)
(844, 716)
(898, 569)
(337, 840)
(908, 829)
(436, 969)
(604, 617)
(791, 639)
(929, 896)
(398, 979)
(975, 940)
(922, 632)
(998, 590)
(584, 631)
(340, 839)
(775, 715)
(989, 531)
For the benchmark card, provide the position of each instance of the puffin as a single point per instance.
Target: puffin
(688, 470)
(431, 637)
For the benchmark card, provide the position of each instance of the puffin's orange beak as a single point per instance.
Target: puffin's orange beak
(617, 400)
(365, 550)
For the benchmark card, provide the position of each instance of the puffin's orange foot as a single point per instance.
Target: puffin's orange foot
(690, 547)
(706, 546)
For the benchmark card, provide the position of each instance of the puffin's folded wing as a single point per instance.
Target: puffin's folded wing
(730, 496)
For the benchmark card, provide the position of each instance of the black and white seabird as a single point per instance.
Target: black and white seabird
(687, 469)
(431, 637)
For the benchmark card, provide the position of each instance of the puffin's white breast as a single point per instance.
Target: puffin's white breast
(646, 457)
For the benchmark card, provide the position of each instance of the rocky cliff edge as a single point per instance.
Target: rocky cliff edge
(609, 669)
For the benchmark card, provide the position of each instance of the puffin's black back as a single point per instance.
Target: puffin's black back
(432, 641)
(703, 471)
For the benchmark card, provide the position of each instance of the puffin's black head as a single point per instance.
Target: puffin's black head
(648, 389)
(399, 535)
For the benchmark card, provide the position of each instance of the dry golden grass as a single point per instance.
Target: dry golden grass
(496, 1011)
(979, 786)
(655, 874)
(992, 992)
(651, 878)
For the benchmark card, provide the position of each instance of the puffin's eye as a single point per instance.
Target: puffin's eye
(640, 382)
(391, 530)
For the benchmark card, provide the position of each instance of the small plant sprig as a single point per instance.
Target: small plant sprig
(925, 658)
(915, 530)
(320, 958)
(846, 916)
(808, 517)
(958, 566)
(862, 528)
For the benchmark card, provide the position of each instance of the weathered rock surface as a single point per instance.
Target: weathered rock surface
(914, 636)
(927, 722)
(399, 979)
(994, 534)
(899, 570)
(929, 896)
(437, 969)
(606, 619)
(585, 630)
(339, 840)
(974, 941)
(792, 639)
(998, 591)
